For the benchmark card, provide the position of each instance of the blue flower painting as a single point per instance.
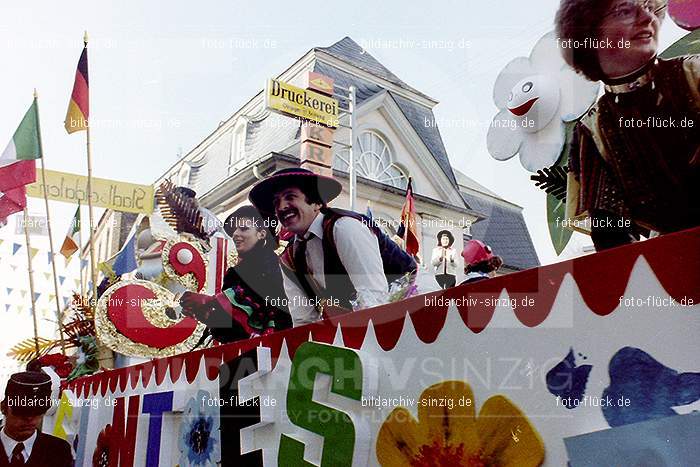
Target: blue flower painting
(652, 388)
(568, 381)
(200, 439)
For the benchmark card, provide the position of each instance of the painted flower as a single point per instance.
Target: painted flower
(535, 96)
(106, 453)
(448, 432)
(200, 440)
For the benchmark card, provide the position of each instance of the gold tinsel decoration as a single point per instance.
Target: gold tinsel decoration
(188, 281)
(154, 313)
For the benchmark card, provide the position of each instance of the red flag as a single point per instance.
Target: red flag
(18, 174)
(408, 221)
(12, 201)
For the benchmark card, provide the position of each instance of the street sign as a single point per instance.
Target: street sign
(301, 103)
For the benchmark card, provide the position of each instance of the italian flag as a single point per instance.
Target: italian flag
(72, 241)
(17, 163)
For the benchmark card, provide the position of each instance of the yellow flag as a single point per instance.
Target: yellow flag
(33, 252)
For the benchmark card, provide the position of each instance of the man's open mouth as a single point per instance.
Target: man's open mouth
(287, 216)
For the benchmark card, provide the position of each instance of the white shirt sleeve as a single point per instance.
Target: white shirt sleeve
(437, 256)
(358, 250)
(299, 307)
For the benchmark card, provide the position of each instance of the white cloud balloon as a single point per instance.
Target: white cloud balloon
(535, 96)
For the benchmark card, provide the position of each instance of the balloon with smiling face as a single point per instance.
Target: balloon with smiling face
(535, 95)
(534, 101)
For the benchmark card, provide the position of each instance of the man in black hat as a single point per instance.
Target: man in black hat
(27, 398)
(336, 256)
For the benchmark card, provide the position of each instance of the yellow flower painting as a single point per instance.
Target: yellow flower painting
(448, 432)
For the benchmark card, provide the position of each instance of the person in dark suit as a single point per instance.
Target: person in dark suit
(27, 398)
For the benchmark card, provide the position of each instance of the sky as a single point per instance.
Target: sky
(163, 75)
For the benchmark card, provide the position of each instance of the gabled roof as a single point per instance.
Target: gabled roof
(418, 115)
(351, 52)
(504, 229)
(415, 113)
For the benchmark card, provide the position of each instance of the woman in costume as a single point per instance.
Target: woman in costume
(479, 261)
(444, 260)
(252, 301)
(635, 167)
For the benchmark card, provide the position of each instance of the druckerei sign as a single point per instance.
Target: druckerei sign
(301, 103)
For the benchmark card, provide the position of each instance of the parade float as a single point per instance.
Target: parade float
(517, 370)
(581, 361)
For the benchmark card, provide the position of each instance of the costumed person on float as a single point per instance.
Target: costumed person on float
(252, 301)
(479, 261)
(631, 171)
(336, 257)
(27, 399)
(445, 260)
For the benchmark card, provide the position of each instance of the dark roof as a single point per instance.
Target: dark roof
(504, 230)
(416, 114)
(274, 133)
(351, 52)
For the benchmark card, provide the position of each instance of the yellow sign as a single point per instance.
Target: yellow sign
(110, 194)
(302, 103)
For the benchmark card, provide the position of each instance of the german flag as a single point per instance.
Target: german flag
(79, 106)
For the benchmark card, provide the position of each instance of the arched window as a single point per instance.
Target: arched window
(375, 161)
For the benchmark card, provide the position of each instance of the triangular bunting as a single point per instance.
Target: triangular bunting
(9, 290)
(61, 279)
(33, 252)
(23, 293)
(15, 248)
(52, 297)
(37, 295)
(83, 263)
(7, 308)
(13, 266)
(50, 257)
(47, 275)
(66, 300)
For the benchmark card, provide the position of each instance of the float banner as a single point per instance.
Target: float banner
(296, 102)
(509, 371)
(110, 194)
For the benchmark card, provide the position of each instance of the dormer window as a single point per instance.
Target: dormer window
(238, 143)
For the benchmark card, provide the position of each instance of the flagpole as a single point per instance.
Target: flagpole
(31, 280)
(93, 274)
(80, 248)
(59, 311)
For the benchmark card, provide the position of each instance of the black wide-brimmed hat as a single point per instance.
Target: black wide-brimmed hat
(29, 393)
(449, 235)
(262, 194)
(234, 219)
